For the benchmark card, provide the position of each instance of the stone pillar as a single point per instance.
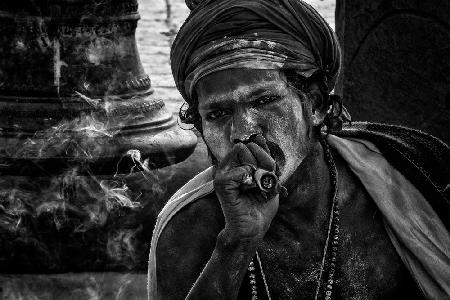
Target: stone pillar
(73, 91)
(397, 62)
(88, 153)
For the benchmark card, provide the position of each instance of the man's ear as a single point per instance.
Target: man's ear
(318, 103)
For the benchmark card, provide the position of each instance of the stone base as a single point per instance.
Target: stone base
(71, 223)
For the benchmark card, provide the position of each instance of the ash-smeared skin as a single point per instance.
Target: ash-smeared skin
(280, 122)
(291, 249)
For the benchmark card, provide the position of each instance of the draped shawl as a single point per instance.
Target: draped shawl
(254, 34)
(407, 174)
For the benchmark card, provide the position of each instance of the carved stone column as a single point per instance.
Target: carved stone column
(73, 91)
(78, 118)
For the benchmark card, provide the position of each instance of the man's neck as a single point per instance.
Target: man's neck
(309, 185)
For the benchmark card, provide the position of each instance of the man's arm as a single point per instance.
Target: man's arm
(185, 246)
(223, 274)
(247, 215)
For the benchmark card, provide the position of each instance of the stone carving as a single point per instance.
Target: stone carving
(76, 62)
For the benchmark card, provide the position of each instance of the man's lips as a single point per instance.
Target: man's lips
(276, 153)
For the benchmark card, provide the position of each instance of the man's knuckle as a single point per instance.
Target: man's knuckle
(219, 181)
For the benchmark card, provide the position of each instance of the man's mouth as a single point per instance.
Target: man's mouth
(276, 153)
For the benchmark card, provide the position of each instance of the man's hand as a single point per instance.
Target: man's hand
(248, 212)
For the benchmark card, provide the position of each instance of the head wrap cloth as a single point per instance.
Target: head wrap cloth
(255, 34)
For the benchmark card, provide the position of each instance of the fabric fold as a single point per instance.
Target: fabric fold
(417, 233)
(415, 230)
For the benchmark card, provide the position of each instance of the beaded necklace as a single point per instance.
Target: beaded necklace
(329, 259)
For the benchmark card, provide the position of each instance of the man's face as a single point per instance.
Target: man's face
(237, 103)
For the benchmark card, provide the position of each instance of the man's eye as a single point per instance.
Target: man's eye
(216, 114)
(266, 99)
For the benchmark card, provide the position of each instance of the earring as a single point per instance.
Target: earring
(337, 115)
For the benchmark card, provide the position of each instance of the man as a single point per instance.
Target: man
(293, 207)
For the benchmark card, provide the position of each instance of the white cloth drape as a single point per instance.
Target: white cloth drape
(416, 232)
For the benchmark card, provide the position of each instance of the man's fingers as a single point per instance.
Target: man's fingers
(254, 155)
(261, 141)
(231, 180)
(264, 160)
(240, 154)
(229, 184)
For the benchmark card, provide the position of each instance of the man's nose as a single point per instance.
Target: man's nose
(243, 128)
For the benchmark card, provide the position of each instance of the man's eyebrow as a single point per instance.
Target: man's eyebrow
(229, 98)
(219, 101)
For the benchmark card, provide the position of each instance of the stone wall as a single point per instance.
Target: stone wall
(397, 62)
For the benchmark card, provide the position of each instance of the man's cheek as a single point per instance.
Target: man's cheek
(283, 129)
(217, 143)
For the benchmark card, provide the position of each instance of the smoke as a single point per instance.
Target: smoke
(84, 137)
(89, 286)
(122, 245)
(69, 222)
(95, 216)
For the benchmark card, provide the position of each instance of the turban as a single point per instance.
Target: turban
(254, 34)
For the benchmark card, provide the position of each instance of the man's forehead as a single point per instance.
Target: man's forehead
(238, 86)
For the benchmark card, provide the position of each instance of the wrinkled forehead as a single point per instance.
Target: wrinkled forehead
(238, 84)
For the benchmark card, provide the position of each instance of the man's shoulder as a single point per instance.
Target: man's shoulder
(186, 244)
(422, 158)
(195, 219)
(189, 208)
(423, 148)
